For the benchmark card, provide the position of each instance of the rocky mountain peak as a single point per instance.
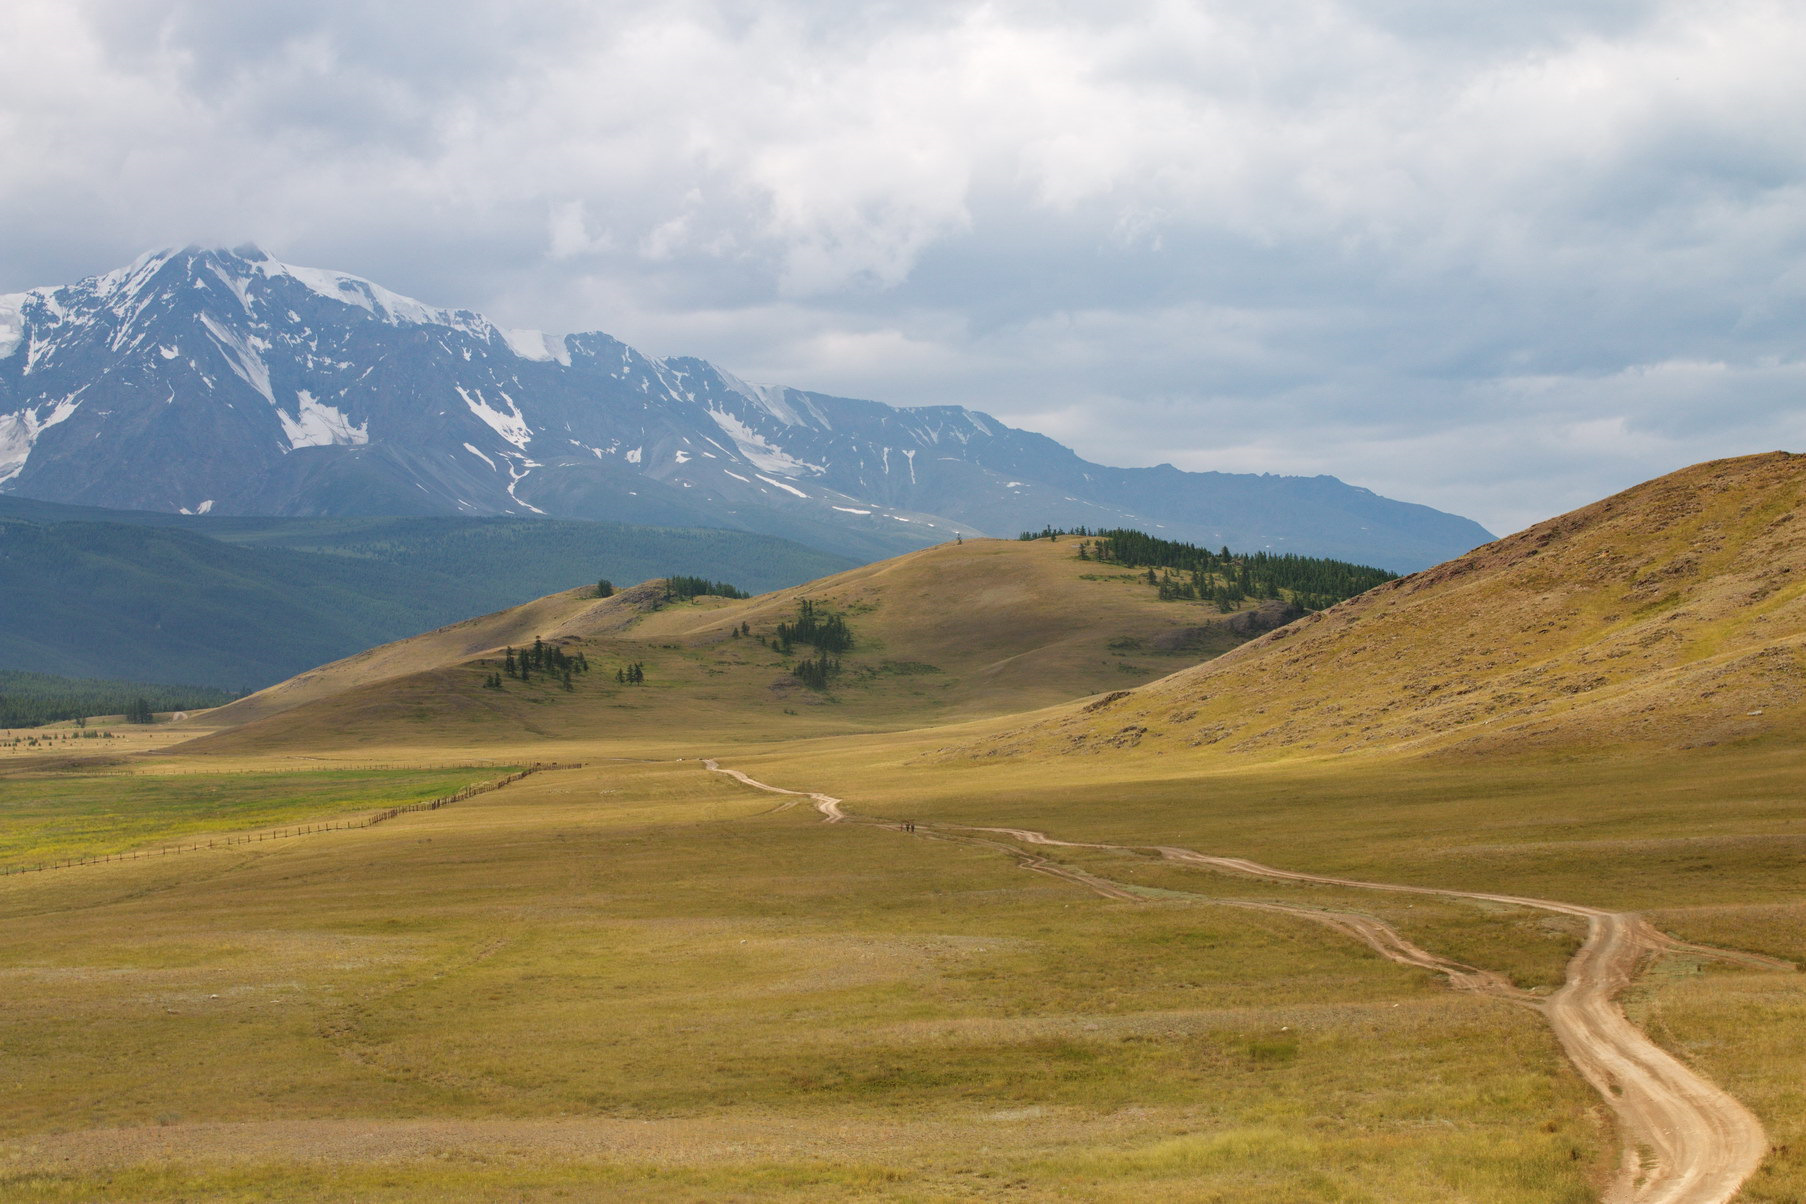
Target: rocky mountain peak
(229, 381)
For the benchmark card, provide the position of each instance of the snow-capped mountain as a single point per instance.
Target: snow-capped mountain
(226, 382)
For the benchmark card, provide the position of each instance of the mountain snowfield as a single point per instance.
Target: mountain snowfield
(209, 381)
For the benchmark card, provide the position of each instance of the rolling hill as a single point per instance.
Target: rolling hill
(1670, 615)
(969, 629)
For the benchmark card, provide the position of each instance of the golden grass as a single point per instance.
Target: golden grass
(947, 633)
(798, 1011)
(1672, 615)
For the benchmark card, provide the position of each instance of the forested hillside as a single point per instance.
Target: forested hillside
(29, 699)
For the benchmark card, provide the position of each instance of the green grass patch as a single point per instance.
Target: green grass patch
(51, 817)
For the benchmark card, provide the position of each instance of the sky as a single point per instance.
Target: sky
(1502, 259)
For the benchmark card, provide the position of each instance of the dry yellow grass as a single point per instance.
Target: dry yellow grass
(635, 980)
(1671, 615)
(981, 628)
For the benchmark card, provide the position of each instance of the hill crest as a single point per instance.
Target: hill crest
(1671, 613)
(951, 632)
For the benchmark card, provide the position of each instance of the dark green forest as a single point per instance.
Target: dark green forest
(29, 699)
(682, 589)
(1187, 571)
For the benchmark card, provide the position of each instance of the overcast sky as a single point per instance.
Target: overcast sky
(1500, 258)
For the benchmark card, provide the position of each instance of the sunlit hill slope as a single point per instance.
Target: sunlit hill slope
(957, 631)
(1670, 615)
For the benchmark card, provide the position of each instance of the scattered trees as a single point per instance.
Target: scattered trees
(816, 672)
(821, 629)
(542, 658)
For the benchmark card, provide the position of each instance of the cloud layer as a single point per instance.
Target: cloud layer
(1500, 261)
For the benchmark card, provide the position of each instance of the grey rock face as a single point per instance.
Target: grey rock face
(227, 382)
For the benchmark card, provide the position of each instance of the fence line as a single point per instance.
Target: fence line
(362, 821)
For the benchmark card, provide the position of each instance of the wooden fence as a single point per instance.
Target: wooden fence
(342, 825)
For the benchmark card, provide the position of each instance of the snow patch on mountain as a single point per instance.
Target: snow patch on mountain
(759, 451)
(131, 278)
(509, 424)
(514, 478)
(317, 424)
(537, 345)
(787, 405)
(241, 354)
(19, 431)
(392, 308)
(781, 485)
(479, 455)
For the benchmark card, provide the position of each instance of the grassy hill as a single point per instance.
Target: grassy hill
(241, 602)
(949, 632)
(1670, 615)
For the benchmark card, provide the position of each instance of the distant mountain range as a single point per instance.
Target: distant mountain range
(225, 382)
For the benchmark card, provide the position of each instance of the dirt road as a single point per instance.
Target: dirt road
(1685, 1140)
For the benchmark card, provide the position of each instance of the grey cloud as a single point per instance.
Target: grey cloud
(1551, 243)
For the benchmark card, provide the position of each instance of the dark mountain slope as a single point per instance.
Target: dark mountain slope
(242, 602)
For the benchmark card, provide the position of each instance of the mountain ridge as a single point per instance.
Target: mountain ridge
(209, 381)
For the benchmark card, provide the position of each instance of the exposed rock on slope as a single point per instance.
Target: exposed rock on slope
(1672, 614)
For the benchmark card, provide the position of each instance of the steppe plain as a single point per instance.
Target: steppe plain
(629, 975)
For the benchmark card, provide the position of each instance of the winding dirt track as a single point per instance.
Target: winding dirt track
(1685, 1140)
